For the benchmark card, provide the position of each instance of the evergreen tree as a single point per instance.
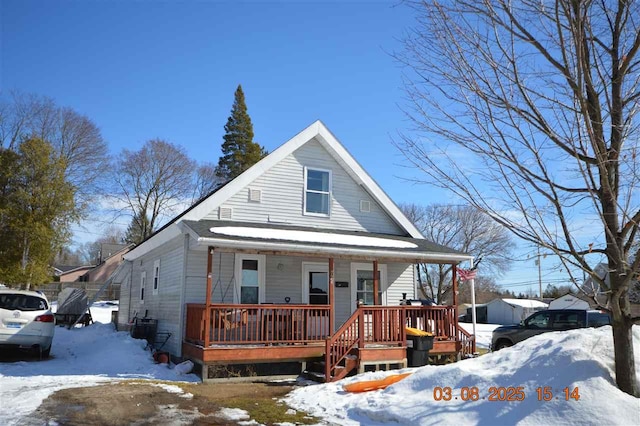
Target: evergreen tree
(35, 213)
(239, 152)
(138, 229)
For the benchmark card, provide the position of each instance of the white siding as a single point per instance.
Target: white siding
(164, 306)
(401, 279)
(282, 190)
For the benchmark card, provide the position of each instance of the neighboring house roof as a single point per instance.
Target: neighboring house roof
(261, 236)
(70, 269)
(523, 303)
(316, 131)
(108, 250)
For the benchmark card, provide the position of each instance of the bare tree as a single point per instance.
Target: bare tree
(463, 228)
(206, 181)
(76, 139)
(152, 182)
(527, 110)
(485, 289)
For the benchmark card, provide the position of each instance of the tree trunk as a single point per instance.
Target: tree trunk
(622, 331)
(623, 353)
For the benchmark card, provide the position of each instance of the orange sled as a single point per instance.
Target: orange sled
(370, 385)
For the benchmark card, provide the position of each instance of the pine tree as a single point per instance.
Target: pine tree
(239, 152)
(139, 229)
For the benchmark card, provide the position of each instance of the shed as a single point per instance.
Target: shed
(568, 301)
(512, 311)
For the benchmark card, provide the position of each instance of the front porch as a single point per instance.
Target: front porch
(225, 334)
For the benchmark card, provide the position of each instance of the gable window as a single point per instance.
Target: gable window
(143, 281)
(156, 276)
(317, 192)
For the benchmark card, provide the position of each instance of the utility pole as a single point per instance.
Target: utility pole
(539, 274)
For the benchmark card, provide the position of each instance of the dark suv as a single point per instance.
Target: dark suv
(544, 321)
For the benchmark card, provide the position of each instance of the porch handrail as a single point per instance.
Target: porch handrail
(467, 340)
(342, 342)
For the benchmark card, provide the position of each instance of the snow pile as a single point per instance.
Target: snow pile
(80, 357)
(581, 359)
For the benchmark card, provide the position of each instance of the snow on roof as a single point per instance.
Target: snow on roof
(526, 303)
(310, 237)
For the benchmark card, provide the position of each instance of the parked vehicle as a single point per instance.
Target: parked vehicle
(545, 321)
(26, 321)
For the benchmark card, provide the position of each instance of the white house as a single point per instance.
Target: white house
(279, 259)
(512, 311)
(568, 301)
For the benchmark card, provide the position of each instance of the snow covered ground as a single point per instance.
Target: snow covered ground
(539, 368)
(542, 366)
(483, 333)
(80, 357)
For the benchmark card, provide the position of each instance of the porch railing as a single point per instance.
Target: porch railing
(468, 342)
(439, 320)
(257, 324)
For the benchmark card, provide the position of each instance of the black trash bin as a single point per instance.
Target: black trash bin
(144, 328)
(418, 350)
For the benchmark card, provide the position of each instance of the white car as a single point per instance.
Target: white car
(26, 321)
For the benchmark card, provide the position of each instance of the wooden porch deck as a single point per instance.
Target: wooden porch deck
(266, 333)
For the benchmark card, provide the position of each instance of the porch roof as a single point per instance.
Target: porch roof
(286, 239)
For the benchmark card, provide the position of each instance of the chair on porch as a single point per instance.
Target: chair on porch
(231, 319)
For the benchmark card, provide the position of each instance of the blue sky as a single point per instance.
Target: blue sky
(143, 69)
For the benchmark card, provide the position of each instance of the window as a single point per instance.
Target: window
(364, 291)
(156, 276)
(567, 320)
(539, 320)
(250, 278)
(362, 279)
(318, 288)
(143, 281)
(317, 194)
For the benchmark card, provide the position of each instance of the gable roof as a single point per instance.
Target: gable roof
(316, 131)
(319, 132)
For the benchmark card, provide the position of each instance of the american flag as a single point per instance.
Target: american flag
(466, 274)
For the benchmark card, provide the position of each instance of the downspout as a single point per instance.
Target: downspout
(182, 309)
(130, 290)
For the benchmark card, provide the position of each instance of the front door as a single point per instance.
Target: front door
(315, 283)
(315, 291)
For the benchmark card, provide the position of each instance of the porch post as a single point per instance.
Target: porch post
(377, 315)
(454, 276)
(376, 283)
(207, 309)
(331, 295)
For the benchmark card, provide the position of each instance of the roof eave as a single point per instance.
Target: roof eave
(284, 247)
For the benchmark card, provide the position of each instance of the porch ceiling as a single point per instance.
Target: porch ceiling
(292, 240)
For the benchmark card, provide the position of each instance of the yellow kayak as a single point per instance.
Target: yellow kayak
(415, 332)
(370, 385)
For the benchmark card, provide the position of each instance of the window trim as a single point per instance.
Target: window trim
(143, 282)
(156, 277)
(305, 191)
(355, 267)
(262, 275)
